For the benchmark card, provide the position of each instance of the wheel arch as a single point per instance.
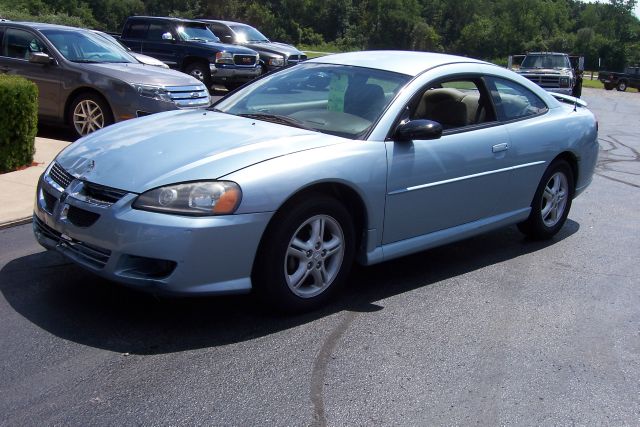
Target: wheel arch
(80, 90)
(344, 194)
(189, 60)
(572, 159)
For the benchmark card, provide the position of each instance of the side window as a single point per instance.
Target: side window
(514, 101)
(221, 32)
(21, 44)
(137, 29)
(454, 104)
(156, 30)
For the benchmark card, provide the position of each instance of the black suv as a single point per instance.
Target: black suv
(189, 46)
(273, 55)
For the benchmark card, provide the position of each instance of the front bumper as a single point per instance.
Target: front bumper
(183, 97)
(233, 74)
(146, 250)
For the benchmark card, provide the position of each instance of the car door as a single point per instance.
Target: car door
(156, 46)
(18, 45)
(463, 176)
(531, 135)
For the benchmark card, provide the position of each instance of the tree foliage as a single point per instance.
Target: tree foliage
(490, 29)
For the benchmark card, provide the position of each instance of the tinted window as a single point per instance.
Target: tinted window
(221, 30)
(21, 44)
(514, 101)
(137, 30)
(156, 30)
(454, 104)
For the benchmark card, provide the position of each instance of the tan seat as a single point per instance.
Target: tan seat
(449, 107)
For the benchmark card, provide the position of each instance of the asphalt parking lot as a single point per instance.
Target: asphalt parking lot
(492, 330)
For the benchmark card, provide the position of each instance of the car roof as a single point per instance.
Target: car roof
(227, 23)
(168, 18)
(403, 62)
(44, 26)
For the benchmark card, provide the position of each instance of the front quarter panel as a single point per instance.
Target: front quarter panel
(360, 165)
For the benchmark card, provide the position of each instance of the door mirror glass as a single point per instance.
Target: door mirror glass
(417, 130)
(167, 36)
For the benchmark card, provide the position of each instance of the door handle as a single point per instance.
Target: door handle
(500, 147)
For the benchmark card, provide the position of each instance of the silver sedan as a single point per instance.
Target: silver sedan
(282, 185)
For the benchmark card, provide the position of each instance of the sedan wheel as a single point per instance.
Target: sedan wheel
(306, 254)
(314, 256)
(89, 113)
(551, 203)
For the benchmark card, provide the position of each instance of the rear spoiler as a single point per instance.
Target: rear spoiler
(568, 99)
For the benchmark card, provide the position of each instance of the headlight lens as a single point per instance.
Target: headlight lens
(564, 81)
(153, 92)
(224, 58)
(278, 61)
(193, 198)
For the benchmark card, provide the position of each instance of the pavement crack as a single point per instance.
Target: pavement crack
(320, 365)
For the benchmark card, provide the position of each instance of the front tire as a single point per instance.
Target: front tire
(88, 113)
(551, 203)
(306, 254)
(608, 86)
(622, 86)
(201, 72)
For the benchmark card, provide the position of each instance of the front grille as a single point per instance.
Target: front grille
(189, 96)
(60, 176)
(544, 81)
(49, 201)
(99, 194)
(81, 218)
(244, 60)
(89, 254)
(294, 59)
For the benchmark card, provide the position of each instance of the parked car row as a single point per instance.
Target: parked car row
(88, 79)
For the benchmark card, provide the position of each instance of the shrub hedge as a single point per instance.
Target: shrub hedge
(18, 121)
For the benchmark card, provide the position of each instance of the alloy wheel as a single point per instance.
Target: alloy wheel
(554, 199)
(88, 117)
(314, 256)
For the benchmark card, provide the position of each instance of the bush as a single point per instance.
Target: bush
(18, 122)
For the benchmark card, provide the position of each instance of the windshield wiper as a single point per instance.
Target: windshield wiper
(276, 118)
(199, 39)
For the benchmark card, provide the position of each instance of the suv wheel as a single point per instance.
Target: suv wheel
(200, 71)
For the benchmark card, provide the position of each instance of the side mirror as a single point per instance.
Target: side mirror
(167, 36)
(418, 129)
(40, 58)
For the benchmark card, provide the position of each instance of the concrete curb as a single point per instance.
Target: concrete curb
(15, 223)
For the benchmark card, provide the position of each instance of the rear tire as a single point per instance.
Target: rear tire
(551, 202)
(306, 254)
(622, 86)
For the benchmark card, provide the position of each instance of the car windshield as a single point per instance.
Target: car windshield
(335, 99)
(85, 46)
(545, 61)
(195, 32)
(247, 34)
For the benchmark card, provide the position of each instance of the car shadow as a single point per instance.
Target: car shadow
(55, 132)
(75, 305)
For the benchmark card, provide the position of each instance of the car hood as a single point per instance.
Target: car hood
(180, 146)
(143, 74)
(271, 47)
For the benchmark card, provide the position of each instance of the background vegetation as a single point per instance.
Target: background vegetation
(488, 29)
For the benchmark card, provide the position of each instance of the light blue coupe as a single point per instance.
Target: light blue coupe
(279, 187)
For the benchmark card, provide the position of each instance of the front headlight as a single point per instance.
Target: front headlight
(192, 198)
(224, 58)
(153, 92)
(564, 81)
(277, 61)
